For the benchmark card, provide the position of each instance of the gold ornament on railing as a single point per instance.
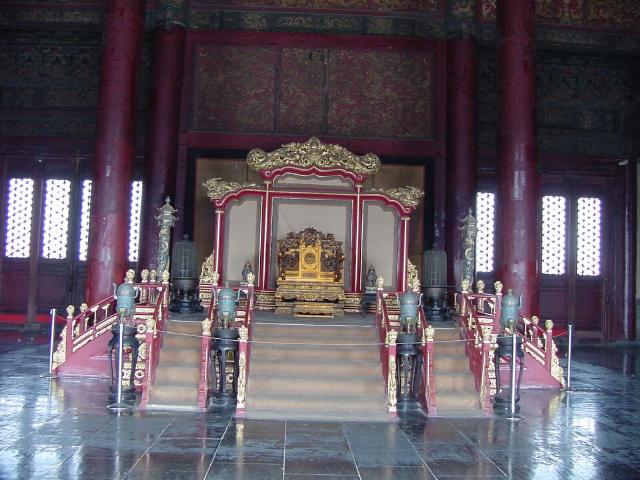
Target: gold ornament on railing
(70, 311)
(379, 281)
(165, 276)
(392, 386)
(151, 325)
(480, 286)
(498, 286)
(244, 333)
(429, 333)
(413, 282)
(153, 276)
(206, 327)
(242, 378)
(207, 270)
(466, 283)
(548, 325)
(83, 307)
(251, 278)
(130, 276)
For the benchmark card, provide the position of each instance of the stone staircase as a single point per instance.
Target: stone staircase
(313, 379)
(456, 394)
(178, 371)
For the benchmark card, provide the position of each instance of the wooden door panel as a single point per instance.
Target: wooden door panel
(553, 305)
(589, 308)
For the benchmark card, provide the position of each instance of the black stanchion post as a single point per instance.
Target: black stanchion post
(119, 404)
(52, 312)
(513, 415)
(569, 350)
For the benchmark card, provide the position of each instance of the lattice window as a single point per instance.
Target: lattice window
(19, 213)
(554, 248)
(55, 229)
(589, 236)
(85, 212)
(134, 224)
(485, 211)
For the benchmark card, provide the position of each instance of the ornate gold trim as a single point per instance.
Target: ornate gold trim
(218, 188)
(413, 281)
(242, 378)
(313, 153)
(408, 196)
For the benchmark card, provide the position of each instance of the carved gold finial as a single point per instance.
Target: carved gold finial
(379, 281)
(407, 196)
(70, 310)
(466, 283)
(215, 278)
(151, 325)
(153, 276)
(548, 325)
(218, 188)
(165, 276)
(486, 333)
(251, 278)
(313, 153)
(144, 275)
(84, 307)
(130, 276)
(206, 271)
(480, 286)
(392, 335)
(206, 327)
(498, 286)
(535, 320)
(412, 277)
(244, 333)
(429, 333)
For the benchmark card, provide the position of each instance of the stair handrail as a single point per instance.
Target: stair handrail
(244, 324)
(155, 326)
(426, 333)
(538, 342)
(479, 317)
(388, 329)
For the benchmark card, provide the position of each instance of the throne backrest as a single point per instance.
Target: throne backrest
(310, 256)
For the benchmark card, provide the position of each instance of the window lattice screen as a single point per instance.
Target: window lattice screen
(554, 249)
(55, 229)
(134, 224)
(485, 211)
(589, 236)
(19, 212)
(85, 211)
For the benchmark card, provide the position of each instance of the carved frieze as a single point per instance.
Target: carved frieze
(313, 153)
(218, 188)
(407, 196)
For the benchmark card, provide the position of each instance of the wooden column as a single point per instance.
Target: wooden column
(162, 134)
(461, 147)
(516, 166)
(115, 148)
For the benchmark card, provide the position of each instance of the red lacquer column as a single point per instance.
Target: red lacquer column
(461, 147)
(516, 166)
(162, 134)
(115, 148)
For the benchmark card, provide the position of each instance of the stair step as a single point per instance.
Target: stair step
(178, 374)
(352, 369)
(181, 341)
(444, 363)
(180, 326)
(287, 352)
(319, 404)
(285, 385)
(455, 381)
(181, 356)
(171, 394)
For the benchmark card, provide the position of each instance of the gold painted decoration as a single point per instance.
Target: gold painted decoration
(313, 153)
(242, 377)
(392, 387)
(413, 281)
(218, 188)
(206, 271)
(408, 196)
(206, 327)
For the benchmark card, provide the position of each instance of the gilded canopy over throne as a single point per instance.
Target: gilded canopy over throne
(310, 256)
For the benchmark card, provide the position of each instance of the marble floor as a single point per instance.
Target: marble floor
(61, 429)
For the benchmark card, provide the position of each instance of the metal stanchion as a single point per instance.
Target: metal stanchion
(569, 349)
(119, 405)
(512, 413)
(52, 312)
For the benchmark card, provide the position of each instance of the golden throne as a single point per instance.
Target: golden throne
(310, 267)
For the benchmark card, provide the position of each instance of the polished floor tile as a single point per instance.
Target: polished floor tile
(61, 429)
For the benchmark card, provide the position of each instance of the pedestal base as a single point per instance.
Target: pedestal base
(310, 299)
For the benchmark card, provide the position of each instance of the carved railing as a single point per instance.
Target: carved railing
(480, 326)
(85, 332)
(479, 316)
(388, 327)
(427, 383)
(151, 319)
(244, 323)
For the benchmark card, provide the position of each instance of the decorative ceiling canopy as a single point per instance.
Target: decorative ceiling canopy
(313, 153)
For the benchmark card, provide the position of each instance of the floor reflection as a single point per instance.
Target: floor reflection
(61, 429)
